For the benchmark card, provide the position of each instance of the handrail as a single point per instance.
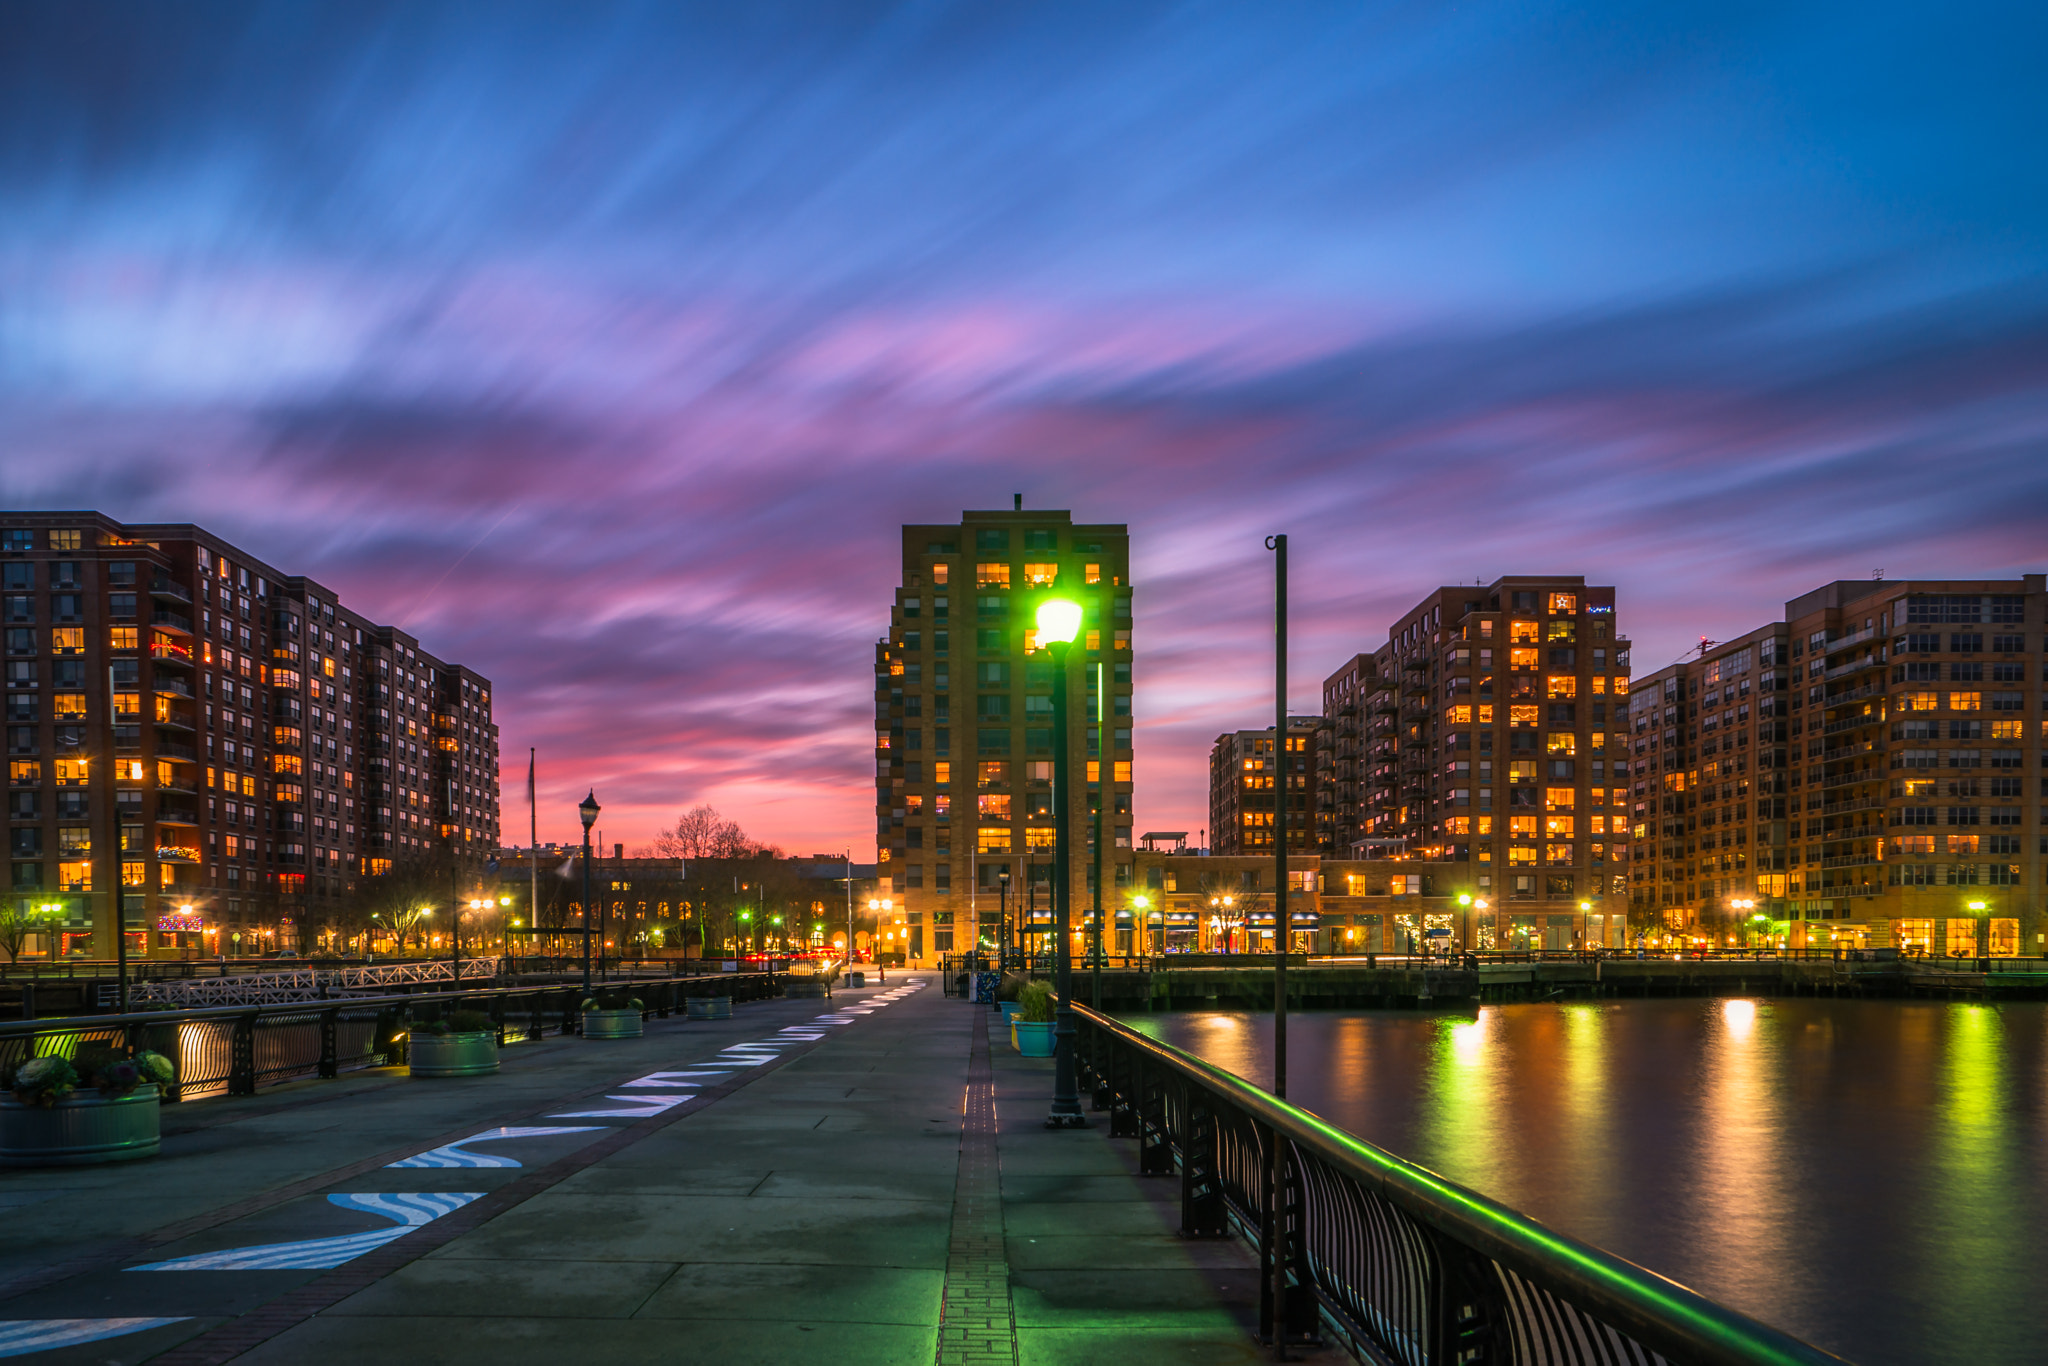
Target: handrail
(1620, 1297)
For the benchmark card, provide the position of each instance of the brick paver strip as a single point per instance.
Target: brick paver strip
(976, 1326)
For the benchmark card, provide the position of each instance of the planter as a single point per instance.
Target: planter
(611, 1024)
(856, 979)
(452, 1055)
(1010, 1009)
(806, 988)
(710, 1007)
(79, 1131)
(1034, 1038)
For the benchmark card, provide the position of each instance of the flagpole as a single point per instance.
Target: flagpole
(533, 850)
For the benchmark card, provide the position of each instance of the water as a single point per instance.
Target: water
(1868, 1175)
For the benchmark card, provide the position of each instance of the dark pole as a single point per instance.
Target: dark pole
(1066, 1099)
(115, 892)
(454, 918)
(1002, 927)
(1282, 920)
(588, 811)
(1104, 768)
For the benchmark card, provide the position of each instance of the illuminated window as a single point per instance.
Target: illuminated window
(24, 772)
(1123, 639)
(1557, 853)
(942, 773)
(70, 772)
(1524, 660)
(1564, 602)
(1966, 701)
(122, 638)
(1460, 715)
(1599, 684)
(993, 806)
(1040, 575)
(248, 785)
(1562, 742)
(1123, 771)
(1522, 718)
(1092, 574)
(1621, 686)
(992, 576)
(1919, 701)
(992, 773)
(939, 569)
(1560, 827)
(1485, 713)
(67, 640)
(1521, 633)
(68, 706)
(1522, 827)
(993, 839)
(1914, 844)
(1038, 770)
(1558, 798)
(1563, 685)
(2008, 730)
(1521, 853)
(74, 841)
(1559, 630)
(74, 877)
(1038, 837)
(66, 540)
(1521, 771)
(1458, 825)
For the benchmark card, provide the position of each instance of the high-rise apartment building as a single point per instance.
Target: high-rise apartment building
(1340, 811)
(963, 722)
(1243, 787)
(225, 743)
(1861, 771)
(1491, 735)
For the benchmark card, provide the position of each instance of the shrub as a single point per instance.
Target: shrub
(1034, 1000)
(471, 1022)
(612, 998)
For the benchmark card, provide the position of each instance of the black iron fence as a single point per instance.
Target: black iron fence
(233, 1050)
(1400, 1264)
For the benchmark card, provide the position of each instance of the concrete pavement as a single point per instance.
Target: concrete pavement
(815, 1178)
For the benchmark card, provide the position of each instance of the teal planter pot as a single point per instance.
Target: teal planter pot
(452, 1055)
(1010, 1009)
(1034, 1037)
(80, 1131)
(710, 1007)
(611, 1024)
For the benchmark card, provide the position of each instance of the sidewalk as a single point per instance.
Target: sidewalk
(811, 1179)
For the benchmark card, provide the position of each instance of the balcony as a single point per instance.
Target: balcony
(174, 592)
(176, 853)
(170, 813)
(1857, 804)
(175, 749)
(165, 620)
(172, 685)
(171, 718)
(171, 652)
(1852, 723)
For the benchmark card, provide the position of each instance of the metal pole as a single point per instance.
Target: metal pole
(114, 890)
(454, 919)
(586, 910)
(849, 917)
(1066, 1099)
(533, 849)
(1002, 938)
(1283, 921)
(1104, 768)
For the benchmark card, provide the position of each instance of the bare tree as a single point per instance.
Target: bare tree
(18, 923)
(701, 833)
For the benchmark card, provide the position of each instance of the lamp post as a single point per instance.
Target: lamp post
(588, 811)
(1058, 622)
(1003, 922)
(1141, 931)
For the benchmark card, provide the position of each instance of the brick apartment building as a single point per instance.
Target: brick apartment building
(1864, 771)
(1242, 789)
(268, 745)
(1484, 732)
(963, 798)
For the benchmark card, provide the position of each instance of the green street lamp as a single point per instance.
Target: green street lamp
(1059, 621)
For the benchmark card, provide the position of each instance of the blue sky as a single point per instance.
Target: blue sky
(606, 346)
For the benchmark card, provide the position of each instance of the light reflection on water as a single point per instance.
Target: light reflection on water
(1866, 1174)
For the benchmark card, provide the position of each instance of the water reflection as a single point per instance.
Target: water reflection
(1868, 1175)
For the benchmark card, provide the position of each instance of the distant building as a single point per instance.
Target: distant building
(1340, 809)
(226, 743)
(1243, 788)
(963, 721)
(1488, 724)
(1863, 771)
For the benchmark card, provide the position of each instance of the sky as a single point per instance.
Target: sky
(605, 347)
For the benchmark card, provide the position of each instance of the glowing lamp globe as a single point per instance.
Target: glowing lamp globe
(1059, 621)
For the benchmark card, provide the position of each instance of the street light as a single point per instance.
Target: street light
(1142, 928)
(1059, 621)
(588, 811)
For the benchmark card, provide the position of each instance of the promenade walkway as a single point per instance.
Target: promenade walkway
(859, 1180)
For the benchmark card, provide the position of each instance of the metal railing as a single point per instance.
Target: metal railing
(1398, 1263)
(304, 984)
(232, 1050)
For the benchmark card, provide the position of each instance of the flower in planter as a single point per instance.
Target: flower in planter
(43, 1081)
(156, 1068)
(117, 1078)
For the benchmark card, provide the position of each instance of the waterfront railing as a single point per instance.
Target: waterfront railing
(235, 1049)
(1396, 1262)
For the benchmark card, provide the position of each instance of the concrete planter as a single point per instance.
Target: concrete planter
(806, 988)
(452, 1055)
(79, 1131)
(710, 1007)
(612, 1024)
(1034, 1038)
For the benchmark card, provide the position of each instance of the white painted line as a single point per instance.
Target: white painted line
(410, 1210)
(456, 1155)
(42, 1335)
